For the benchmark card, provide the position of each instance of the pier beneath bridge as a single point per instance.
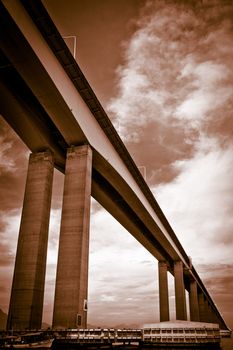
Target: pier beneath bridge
(70, 304)
(64, 126)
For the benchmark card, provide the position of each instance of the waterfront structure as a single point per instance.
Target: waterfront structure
(173, 335)
(163, 335)
(48, 102)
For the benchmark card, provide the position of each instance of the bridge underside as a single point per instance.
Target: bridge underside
(27, 117)
(35, 108)
(32, 122)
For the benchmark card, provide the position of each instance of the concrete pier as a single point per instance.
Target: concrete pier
(70, 305)
(202, 309)
(163, 292)
(212, 317)
(27, 295)
(181, 313)
(193, 302)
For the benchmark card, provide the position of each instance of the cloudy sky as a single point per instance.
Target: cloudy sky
(163, 72)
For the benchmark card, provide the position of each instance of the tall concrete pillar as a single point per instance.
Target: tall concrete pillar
(216, 319)
(70, 304)
(202, 309)
(181, 313)
(211, 315)
(193, 302)
(163, 292)
(27, 295)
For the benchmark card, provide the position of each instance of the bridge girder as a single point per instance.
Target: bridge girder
(36, 109)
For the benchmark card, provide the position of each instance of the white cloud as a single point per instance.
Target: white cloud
(8, 243)
(9, 235)
(178, 67)
(206, 73)
(210, 72)
(54, 230)
(7, 163)
(209, 91)
(178, 76)
(52, 254)
(122, 275)
(198, 202)
(175, 67)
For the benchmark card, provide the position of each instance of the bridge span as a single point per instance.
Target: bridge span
(47, 100)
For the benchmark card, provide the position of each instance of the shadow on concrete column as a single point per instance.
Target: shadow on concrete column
(26, 304)
(202, 307)
(193, 301)
(181, 313)
(211, 315)
(70, 305)
(163, 291)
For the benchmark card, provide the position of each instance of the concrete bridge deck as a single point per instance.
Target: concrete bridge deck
(48, 102)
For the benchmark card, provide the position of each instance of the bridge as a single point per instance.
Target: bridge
(47, 100)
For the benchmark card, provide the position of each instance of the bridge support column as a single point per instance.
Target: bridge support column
(27, 295)
(163, 292)
(70, 305)
(193, 302)
(181, 313)
(212, 317)
(202, 307)
(216, 319)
